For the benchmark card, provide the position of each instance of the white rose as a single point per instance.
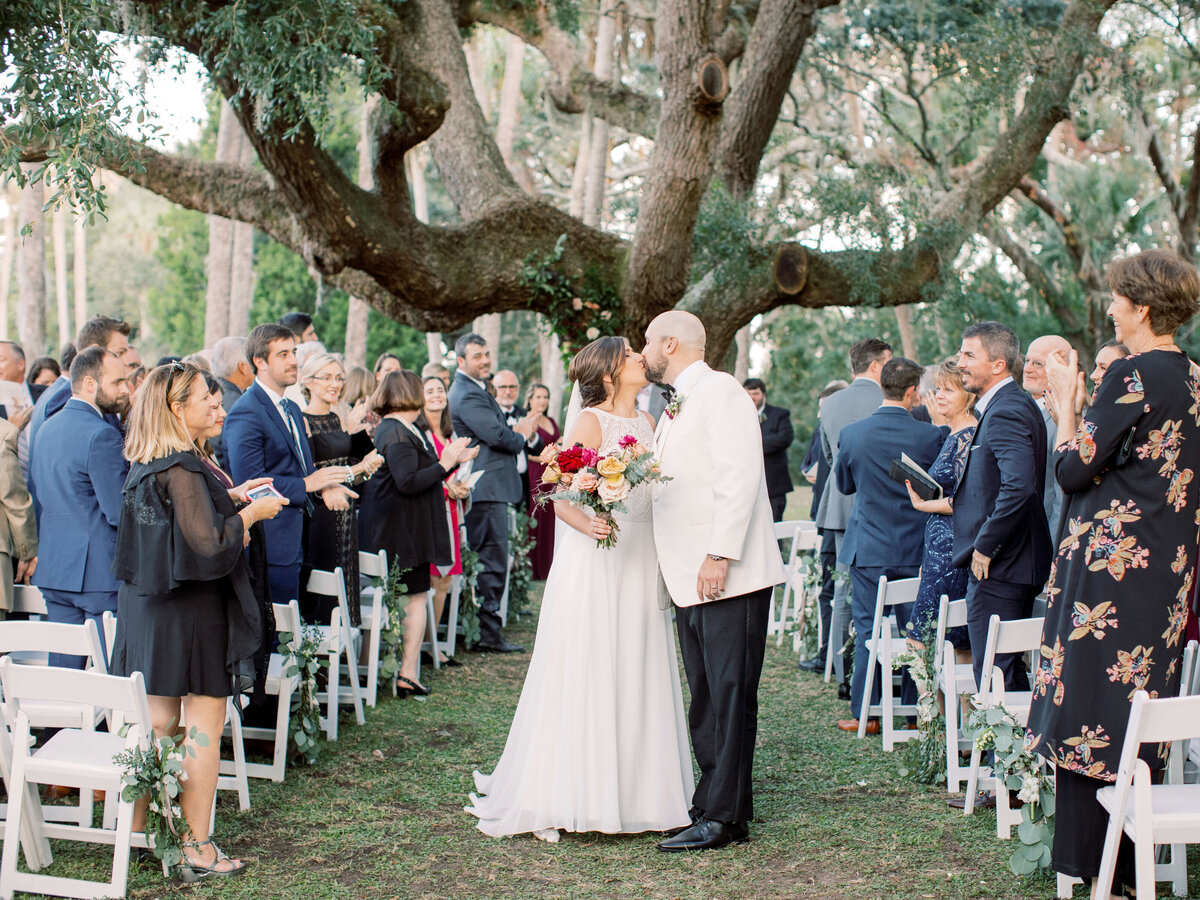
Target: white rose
(1031, 789)
(613, 491)
(593, 333)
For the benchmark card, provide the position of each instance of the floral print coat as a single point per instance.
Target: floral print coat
(1121, 584)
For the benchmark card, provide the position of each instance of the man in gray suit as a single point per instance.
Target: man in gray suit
(846, 407)
(1033, 380)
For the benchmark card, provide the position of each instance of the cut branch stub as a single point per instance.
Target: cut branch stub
(712, 83)
(790, 269)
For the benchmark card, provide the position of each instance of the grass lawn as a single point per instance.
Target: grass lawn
(381, 815)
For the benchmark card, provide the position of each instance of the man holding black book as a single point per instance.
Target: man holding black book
(885, 536)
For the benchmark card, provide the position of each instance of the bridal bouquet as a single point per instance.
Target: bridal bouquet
(601, 483)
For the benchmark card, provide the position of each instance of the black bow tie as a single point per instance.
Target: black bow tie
(668, 391)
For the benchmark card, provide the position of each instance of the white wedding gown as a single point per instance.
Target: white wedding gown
(599, 740)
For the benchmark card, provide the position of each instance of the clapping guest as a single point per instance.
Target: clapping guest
(1033, 380)
(333, 528)
(1119, 593)
(435, 423)
(955, 406)
(18, 530)
(537, 400)
(403, 509)
(1109, 353)
(187, 618)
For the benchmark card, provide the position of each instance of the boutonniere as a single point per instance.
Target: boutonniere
(672, 409)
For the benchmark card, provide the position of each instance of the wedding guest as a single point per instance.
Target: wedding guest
(437, 426)
(1122, 580)
(1033, 380)
(301, 325)
(234, 374)
(133, 360)
(775, 423)
(18, 530)
(403, 509)
(386, 363)
(954, 405)
(508, 389)
(332, 539)
(1109, 353)
(44, 371)
(18, 398)
(884, 537)
(537, 399)
(360, 384)
(438, 370)
(187, 618)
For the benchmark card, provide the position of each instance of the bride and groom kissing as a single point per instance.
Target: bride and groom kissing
(598, 741)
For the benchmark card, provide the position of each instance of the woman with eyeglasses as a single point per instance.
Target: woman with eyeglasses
(338, 442)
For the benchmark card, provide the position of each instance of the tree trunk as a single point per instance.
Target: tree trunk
(8, 253)
(908, 340)
(219, 265)
(488, 327)
(359, 313)
(58, 232)
(79, 265)
(554, 374)
(741, 368)
(31, 273)
(510, 97)
(433, 347)
(580, 173)
(599, 151)
(241, 268)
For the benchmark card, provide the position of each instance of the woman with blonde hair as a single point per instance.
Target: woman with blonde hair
(187, 618)
(341, 443)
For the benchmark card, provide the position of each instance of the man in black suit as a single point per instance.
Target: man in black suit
(476, 415)
(508, 389)
(777, 434)
(1000, 527)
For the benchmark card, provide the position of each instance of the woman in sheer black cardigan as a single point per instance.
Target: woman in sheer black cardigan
(187, 618)
(403, 508)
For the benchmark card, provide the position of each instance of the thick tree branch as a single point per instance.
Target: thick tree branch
(1040, 198)
(1189, 220)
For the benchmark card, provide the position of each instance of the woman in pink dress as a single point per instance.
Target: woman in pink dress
(435, 423)
(537, 401)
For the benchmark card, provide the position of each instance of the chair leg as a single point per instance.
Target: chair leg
(352, 676)
(239, 756)
(1143, 855)
(835, 628)
(283, 720)
(331, 695)
(972, 782)
(451, 642)
(864, 712)
(431, 631)
(120, 869)
(18, 795)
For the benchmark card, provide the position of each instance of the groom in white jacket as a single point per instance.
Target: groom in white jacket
(719, 561)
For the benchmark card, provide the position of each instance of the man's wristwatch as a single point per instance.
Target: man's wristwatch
(716, 558)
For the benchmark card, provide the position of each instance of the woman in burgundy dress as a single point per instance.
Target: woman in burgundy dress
(537, 401)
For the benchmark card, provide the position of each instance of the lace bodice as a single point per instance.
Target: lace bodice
(612, 429)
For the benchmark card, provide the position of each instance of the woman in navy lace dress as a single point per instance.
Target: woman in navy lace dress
(955, 407)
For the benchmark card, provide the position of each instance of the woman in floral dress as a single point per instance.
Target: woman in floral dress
(1121, 585)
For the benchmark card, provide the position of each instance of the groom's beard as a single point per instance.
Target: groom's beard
(656, 374)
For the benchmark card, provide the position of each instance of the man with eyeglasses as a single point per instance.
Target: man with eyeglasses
(508, 389)
(1033, 380)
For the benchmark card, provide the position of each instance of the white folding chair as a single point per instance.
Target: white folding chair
(1151, 813)
(784, 531)
(28, 600)
(886, 642)
(1013, 636)
(954, 680)
(283, 688)
(338, 639)
(74, 757)
(806, 545)
(1189, 686)
(374, 617)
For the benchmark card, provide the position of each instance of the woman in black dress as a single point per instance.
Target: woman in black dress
(187, 618)
(537, 401)
(403, 507)
(1119, 591)
(333, 528)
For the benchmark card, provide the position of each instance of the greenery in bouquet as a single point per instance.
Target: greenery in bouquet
(601, 483)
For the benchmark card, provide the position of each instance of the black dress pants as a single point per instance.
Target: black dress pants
(722, 644)
(1009, 601)
(487, 533)
(825, 599)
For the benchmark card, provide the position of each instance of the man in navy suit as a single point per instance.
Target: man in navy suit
(885, 536)
(80, 470)
(265, 438)
(477, 415)
(1000, 527)
(777, 434)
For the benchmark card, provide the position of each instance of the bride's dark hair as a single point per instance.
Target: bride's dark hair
(603, 356)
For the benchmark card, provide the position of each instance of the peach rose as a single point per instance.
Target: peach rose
(613, 491)
(612, 468)
(586, 481)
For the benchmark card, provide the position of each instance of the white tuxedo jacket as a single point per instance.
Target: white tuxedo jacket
(717, 499)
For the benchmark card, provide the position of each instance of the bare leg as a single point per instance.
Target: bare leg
(414, 635)
(207, 716)
(441, 590)
(164, 718)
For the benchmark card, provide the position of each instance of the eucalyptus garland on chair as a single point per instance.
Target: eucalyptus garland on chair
(304, 659)
(924, 759)
(391, 637)
(520, 577)
(156, 770)
(468, 598)
(1018, 769)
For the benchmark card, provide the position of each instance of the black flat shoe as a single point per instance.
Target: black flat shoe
(451, 662)
(707, 834)
(406, 687)
(502, 647)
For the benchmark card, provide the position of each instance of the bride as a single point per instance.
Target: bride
(598, 741)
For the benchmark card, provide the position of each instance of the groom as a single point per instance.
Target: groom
(719, 561)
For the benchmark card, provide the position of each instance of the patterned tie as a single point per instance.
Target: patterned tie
(291, 424)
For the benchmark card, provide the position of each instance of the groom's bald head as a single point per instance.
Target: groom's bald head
(674, 340)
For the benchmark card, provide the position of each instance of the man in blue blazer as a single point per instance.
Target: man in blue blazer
(1000, 527)
(264, 437)
(80, 470)
(102, 331)
(885, 536)
(477, 415)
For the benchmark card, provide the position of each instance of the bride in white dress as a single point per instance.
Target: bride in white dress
(598, 741)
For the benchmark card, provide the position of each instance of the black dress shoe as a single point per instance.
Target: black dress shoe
(694, 816)
(812, 665)
(983, 801)
(707, 834)
(843, 691)
(502, 647)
